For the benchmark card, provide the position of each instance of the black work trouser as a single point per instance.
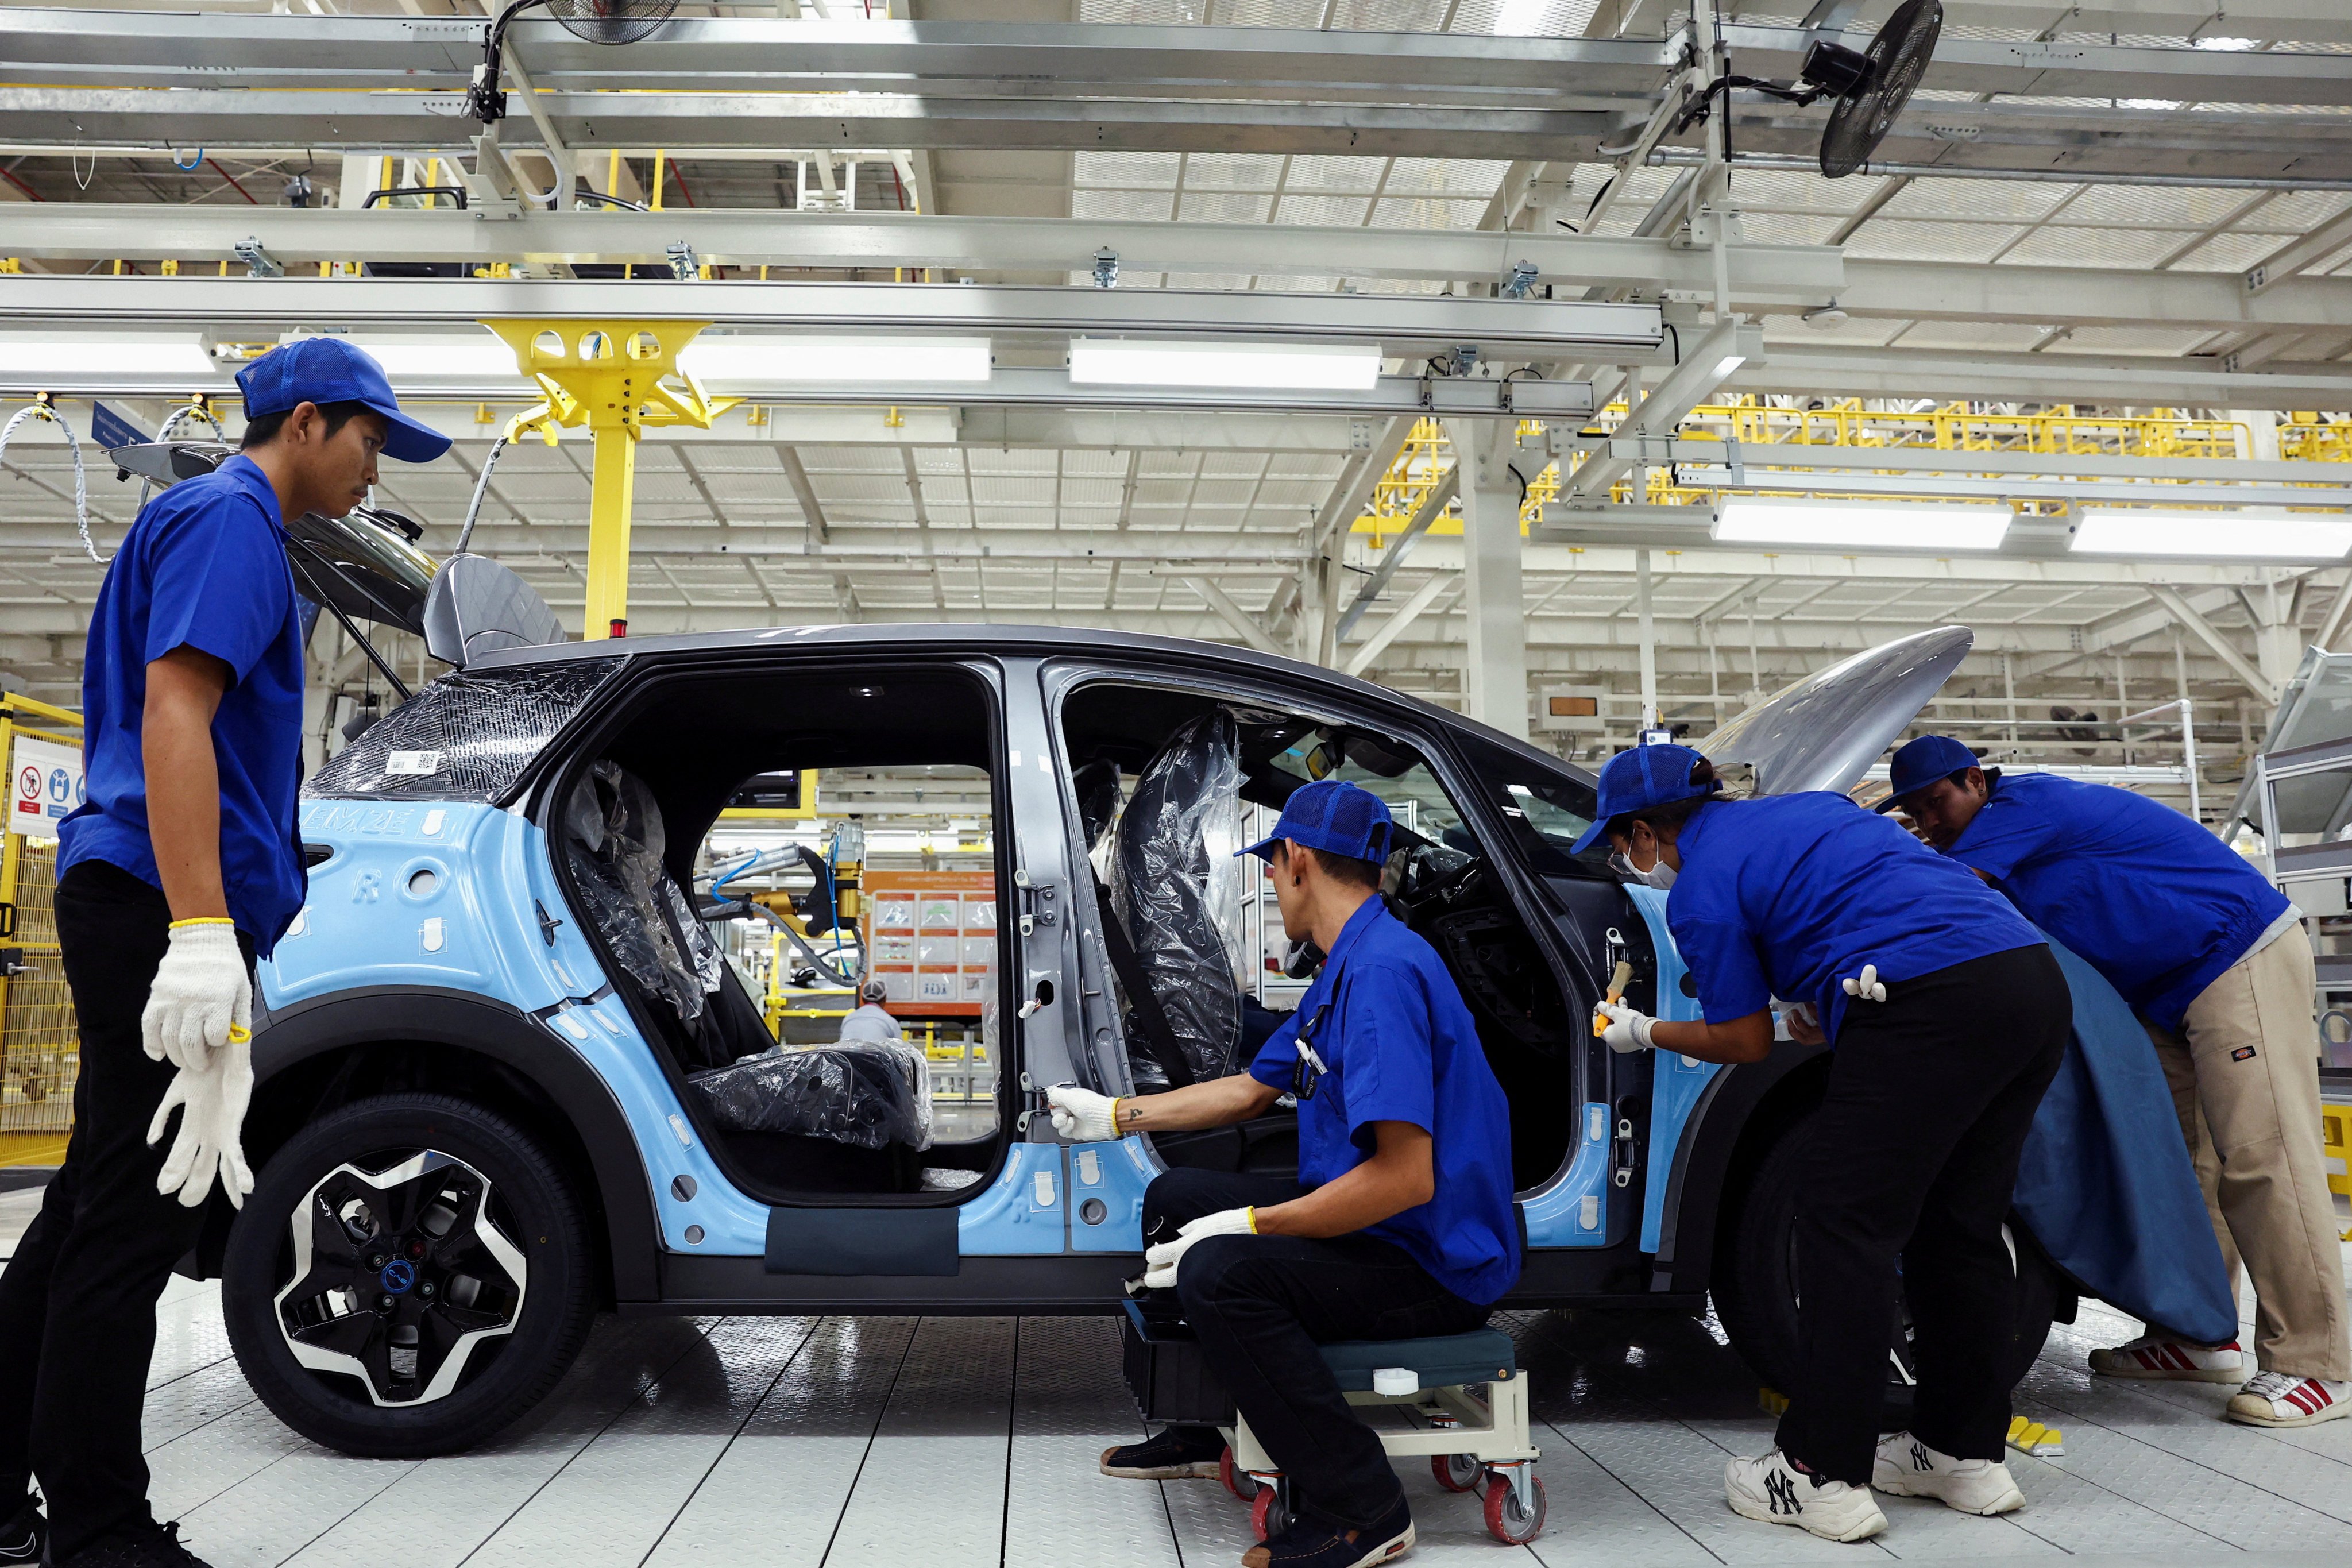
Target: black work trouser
(1260, 1305)
(77, 1301)
(1911, 1162)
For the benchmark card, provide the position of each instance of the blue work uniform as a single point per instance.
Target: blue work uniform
(2146, 897)
(203, 567)
(1397, 1043)
(1788, 895)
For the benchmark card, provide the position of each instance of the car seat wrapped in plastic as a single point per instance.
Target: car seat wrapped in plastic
(613, 833)
(1176, 887)
(869, 1094)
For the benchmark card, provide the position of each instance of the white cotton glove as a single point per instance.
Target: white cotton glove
(1628, 1030)
(1160, 1262)
(1081, 1115)
(1866, 986)
(212, 1102)
(201, 991)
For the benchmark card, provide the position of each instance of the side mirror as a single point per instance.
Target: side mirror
(477, 606)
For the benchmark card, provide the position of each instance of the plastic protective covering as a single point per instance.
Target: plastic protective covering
(869, 1094)
(1177, 888)
(467, 736)
(612, 834)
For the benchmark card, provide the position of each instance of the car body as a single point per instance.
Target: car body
(443, 1039)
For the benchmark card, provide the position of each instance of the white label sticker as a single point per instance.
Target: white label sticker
(1044, 1185)
(412, 764)
(433, 823)
(431, 934)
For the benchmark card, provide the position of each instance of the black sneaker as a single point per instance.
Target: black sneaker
(1178, 1454)
(22, 1536)
(1311, 1543)
(141, 1546)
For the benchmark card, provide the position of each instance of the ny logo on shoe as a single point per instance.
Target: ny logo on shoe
(1919, 1461)
(1781, 1488)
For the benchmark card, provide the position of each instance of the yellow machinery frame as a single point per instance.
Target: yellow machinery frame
(615, 377)
(63, 727)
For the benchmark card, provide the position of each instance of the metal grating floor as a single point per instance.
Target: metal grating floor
(961, 1442)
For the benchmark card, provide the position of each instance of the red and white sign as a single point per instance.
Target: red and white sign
(44, 782)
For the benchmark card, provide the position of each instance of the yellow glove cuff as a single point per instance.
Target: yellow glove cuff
(239, 1035)
(1251, 1215)
(204, 921)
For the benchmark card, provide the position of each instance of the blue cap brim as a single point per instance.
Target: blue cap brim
(1262, 848)
(409, 440)
(1585, 841)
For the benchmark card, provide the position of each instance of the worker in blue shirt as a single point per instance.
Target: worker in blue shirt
(1399, 1225)
(1948, 1016)
(181, 866)
(2216, 962)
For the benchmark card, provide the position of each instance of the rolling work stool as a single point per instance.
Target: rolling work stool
(1468, 1438)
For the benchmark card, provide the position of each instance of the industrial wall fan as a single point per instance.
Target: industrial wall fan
(1871, 86)
(598, 21)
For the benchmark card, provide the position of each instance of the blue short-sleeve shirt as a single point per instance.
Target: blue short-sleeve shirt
(1397, 1044)
(1788, 895)
(2150, 899)
(203, 567)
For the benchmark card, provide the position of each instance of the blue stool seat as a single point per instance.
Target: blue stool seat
(1443, 1360)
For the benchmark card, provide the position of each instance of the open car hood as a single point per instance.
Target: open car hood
(1825, 731)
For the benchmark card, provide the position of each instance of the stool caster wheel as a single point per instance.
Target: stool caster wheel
(1456, 1472)
(1238, 1481)
(1506, 1521)
(1268, 1517)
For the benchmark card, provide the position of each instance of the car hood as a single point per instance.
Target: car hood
(1825, 731)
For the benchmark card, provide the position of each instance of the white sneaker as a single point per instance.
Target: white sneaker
(2282, 1399)
(1908, 1467)
(1771, 1490)
(2155, 1357)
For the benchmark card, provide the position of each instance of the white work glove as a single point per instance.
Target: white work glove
(1628, 1030)
(201, 991)
(212, 1102)
(1867, 986)
(1081, 1115)
(1160, 1262)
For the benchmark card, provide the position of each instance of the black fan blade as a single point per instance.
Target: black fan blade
(1899, 58)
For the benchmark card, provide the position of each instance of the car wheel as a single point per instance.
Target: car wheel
(410, 1275)
(1756, 1291)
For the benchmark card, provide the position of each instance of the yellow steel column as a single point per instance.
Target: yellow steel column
(608, 530)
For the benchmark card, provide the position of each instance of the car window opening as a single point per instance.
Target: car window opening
(755, 854)
(1169, 784)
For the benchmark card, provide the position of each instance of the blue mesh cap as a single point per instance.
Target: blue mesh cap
(329, 370)
(1645, 776)
(1336, 817)
(1920, 763)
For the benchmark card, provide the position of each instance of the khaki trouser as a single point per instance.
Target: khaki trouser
(2244, 1074)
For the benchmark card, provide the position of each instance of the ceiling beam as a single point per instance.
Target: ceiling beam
(2210, 636)
(1361, 659)
(1245, 624)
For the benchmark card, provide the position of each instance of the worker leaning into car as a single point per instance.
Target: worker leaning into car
(182, 865)
(1399, 1226)
(1949, 1015)
(2215, 962)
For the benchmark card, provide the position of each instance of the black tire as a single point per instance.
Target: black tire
(1756, 1289)
(500, 1289)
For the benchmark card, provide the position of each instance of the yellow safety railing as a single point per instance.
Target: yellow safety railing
(2336, 1145)
(40, 1049)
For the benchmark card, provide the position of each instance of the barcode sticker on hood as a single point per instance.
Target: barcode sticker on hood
(412, 764)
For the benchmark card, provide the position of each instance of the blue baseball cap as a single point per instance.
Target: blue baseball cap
(1920, 763)
(1645, 776)
(1332, 815)
(329, 370)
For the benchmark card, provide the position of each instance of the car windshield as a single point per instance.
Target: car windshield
(1547, 808)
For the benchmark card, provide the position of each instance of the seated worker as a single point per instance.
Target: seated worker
(1399, 1226)
(871, 1020)
(1949, 1015)
(2217, 964)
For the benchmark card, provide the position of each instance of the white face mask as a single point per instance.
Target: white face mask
(1660, 876)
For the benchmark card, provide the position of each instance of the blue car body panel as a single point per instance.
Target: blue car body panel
(1679, 1080)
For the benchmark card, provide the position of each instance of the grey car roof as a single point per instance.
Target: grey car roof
(946, 636)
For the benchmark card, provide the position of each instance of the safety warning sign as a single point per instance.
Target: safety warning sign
(45, 783)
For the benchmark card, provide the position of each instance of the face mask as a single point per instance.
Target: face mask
(1660, 876)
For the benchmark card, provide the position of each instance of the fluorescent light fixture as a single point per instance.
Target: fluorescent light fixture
(483, 358)
(1883, 525)
(106, 357)
(2224, 535)
(1304, 367)
(785, 361)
